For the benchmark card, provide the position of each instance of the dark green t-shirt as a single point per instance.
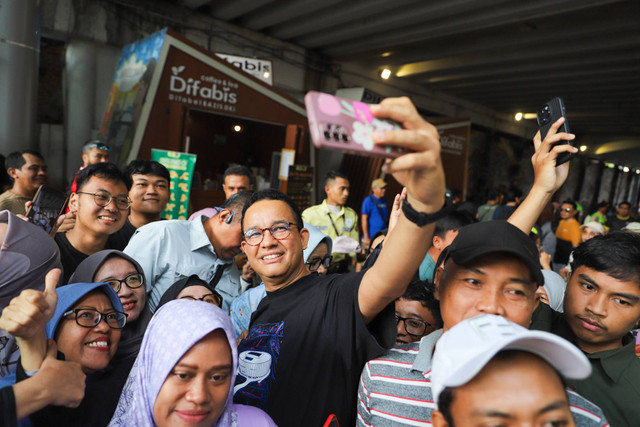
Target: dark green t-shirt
(614, 384)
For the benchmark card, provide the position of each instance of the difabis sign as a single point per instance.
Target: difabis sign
(203, 91)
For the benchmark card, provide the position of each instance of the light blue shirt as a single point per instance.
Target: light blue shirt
(244, 306)
(172, 250)
(427, 268)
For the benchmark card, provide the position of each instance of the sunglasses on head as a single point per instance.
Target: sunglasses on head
(100, 146)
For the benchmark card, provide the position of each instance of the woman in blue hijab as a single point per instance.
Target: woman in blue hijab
(86, 325)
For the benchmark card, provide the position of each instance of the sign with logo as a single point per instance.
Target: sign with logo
(454, 142)
(187, 77)
(180, 167)
(259, 68)
(202, 90)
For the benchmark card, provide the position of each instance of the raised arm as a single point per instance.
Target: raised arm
(548, 178)
(26, 317)
(422, 174)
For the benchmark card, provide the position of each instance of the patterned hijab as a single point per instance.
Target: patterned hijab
(182, 323)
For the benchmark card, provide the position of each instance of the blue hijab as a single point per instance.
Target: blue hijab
(70, 294)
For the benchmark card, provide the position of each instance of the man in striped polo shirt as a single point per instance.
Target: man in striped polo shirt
(491, 267)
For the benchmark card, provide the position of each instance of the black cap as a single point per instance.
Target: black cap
(482, 238)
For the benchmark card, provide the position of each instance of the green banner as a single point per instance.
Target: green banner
(180, 167)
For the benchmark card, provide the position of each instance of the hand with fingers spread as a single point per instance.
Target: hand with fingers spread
(26, 317)
(420, 172)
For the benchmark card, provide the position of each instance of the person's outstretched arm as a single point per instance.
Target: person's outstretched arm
(548, 178)
(422, 174)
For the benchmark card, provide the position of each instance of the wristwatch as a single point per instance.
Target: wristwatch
(420, 218)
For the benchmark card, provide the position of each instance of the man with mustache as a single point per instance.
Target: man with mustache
(28, 171)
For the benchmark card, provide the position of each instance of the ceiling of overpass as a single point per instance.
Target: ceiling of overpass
(508, 55)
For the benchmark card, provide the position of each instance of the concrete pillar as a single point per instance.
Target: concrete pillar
(622, 184)
(632, 196)
(19, 55)
(570, 188)
(80, 82)
(606, 183)
(591, 183)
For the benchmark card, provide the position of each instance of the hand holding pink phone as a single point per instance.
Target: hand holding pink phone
(343, 124)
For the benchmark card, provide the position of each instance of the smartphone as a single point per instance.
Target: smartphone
(547, 115)
(344, 124)
(48, 204)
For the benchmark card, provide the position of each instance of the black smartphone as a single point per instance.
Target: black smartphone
(547, 115)
(48, 204)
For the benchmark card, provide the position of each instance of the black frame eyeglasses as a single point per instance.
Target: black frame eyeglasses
(315, 264)
(415, 327)
(133, 281)
(279, 231)
(90, 318)
(213, 298)
(103, 198)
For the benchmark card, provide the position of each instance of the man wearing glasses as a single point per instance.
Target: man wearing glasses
(311, 335)
(490, 268)
(100, 205)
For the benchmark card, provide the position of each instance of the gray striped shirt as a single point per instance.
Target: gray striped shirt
(395, 390)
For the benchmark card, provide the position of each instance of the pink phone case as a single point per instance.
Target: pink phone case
(343, 124)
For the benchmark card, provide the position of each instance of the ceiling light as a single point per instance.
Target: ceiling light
(237, 128)
(638, 171)
(385, 74)
(610, 165)
(625, 169)
(266, 74)
(583, 148)
(519, 116)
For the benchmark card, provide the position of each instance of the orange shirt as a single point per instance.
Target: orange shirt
(569, 230)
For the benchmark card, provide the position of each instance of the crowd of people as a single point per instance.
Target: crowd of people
(422, 311)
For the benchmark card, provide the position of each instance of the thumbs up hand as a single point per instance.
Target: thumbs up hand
(26, 317)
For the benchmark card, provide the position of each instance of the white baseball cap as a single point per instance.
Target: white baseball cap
(594, 226)
(465, 349)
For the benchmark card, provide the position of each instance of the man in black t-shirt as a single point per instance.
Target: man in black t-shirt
(311, 335)
(101, 205)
